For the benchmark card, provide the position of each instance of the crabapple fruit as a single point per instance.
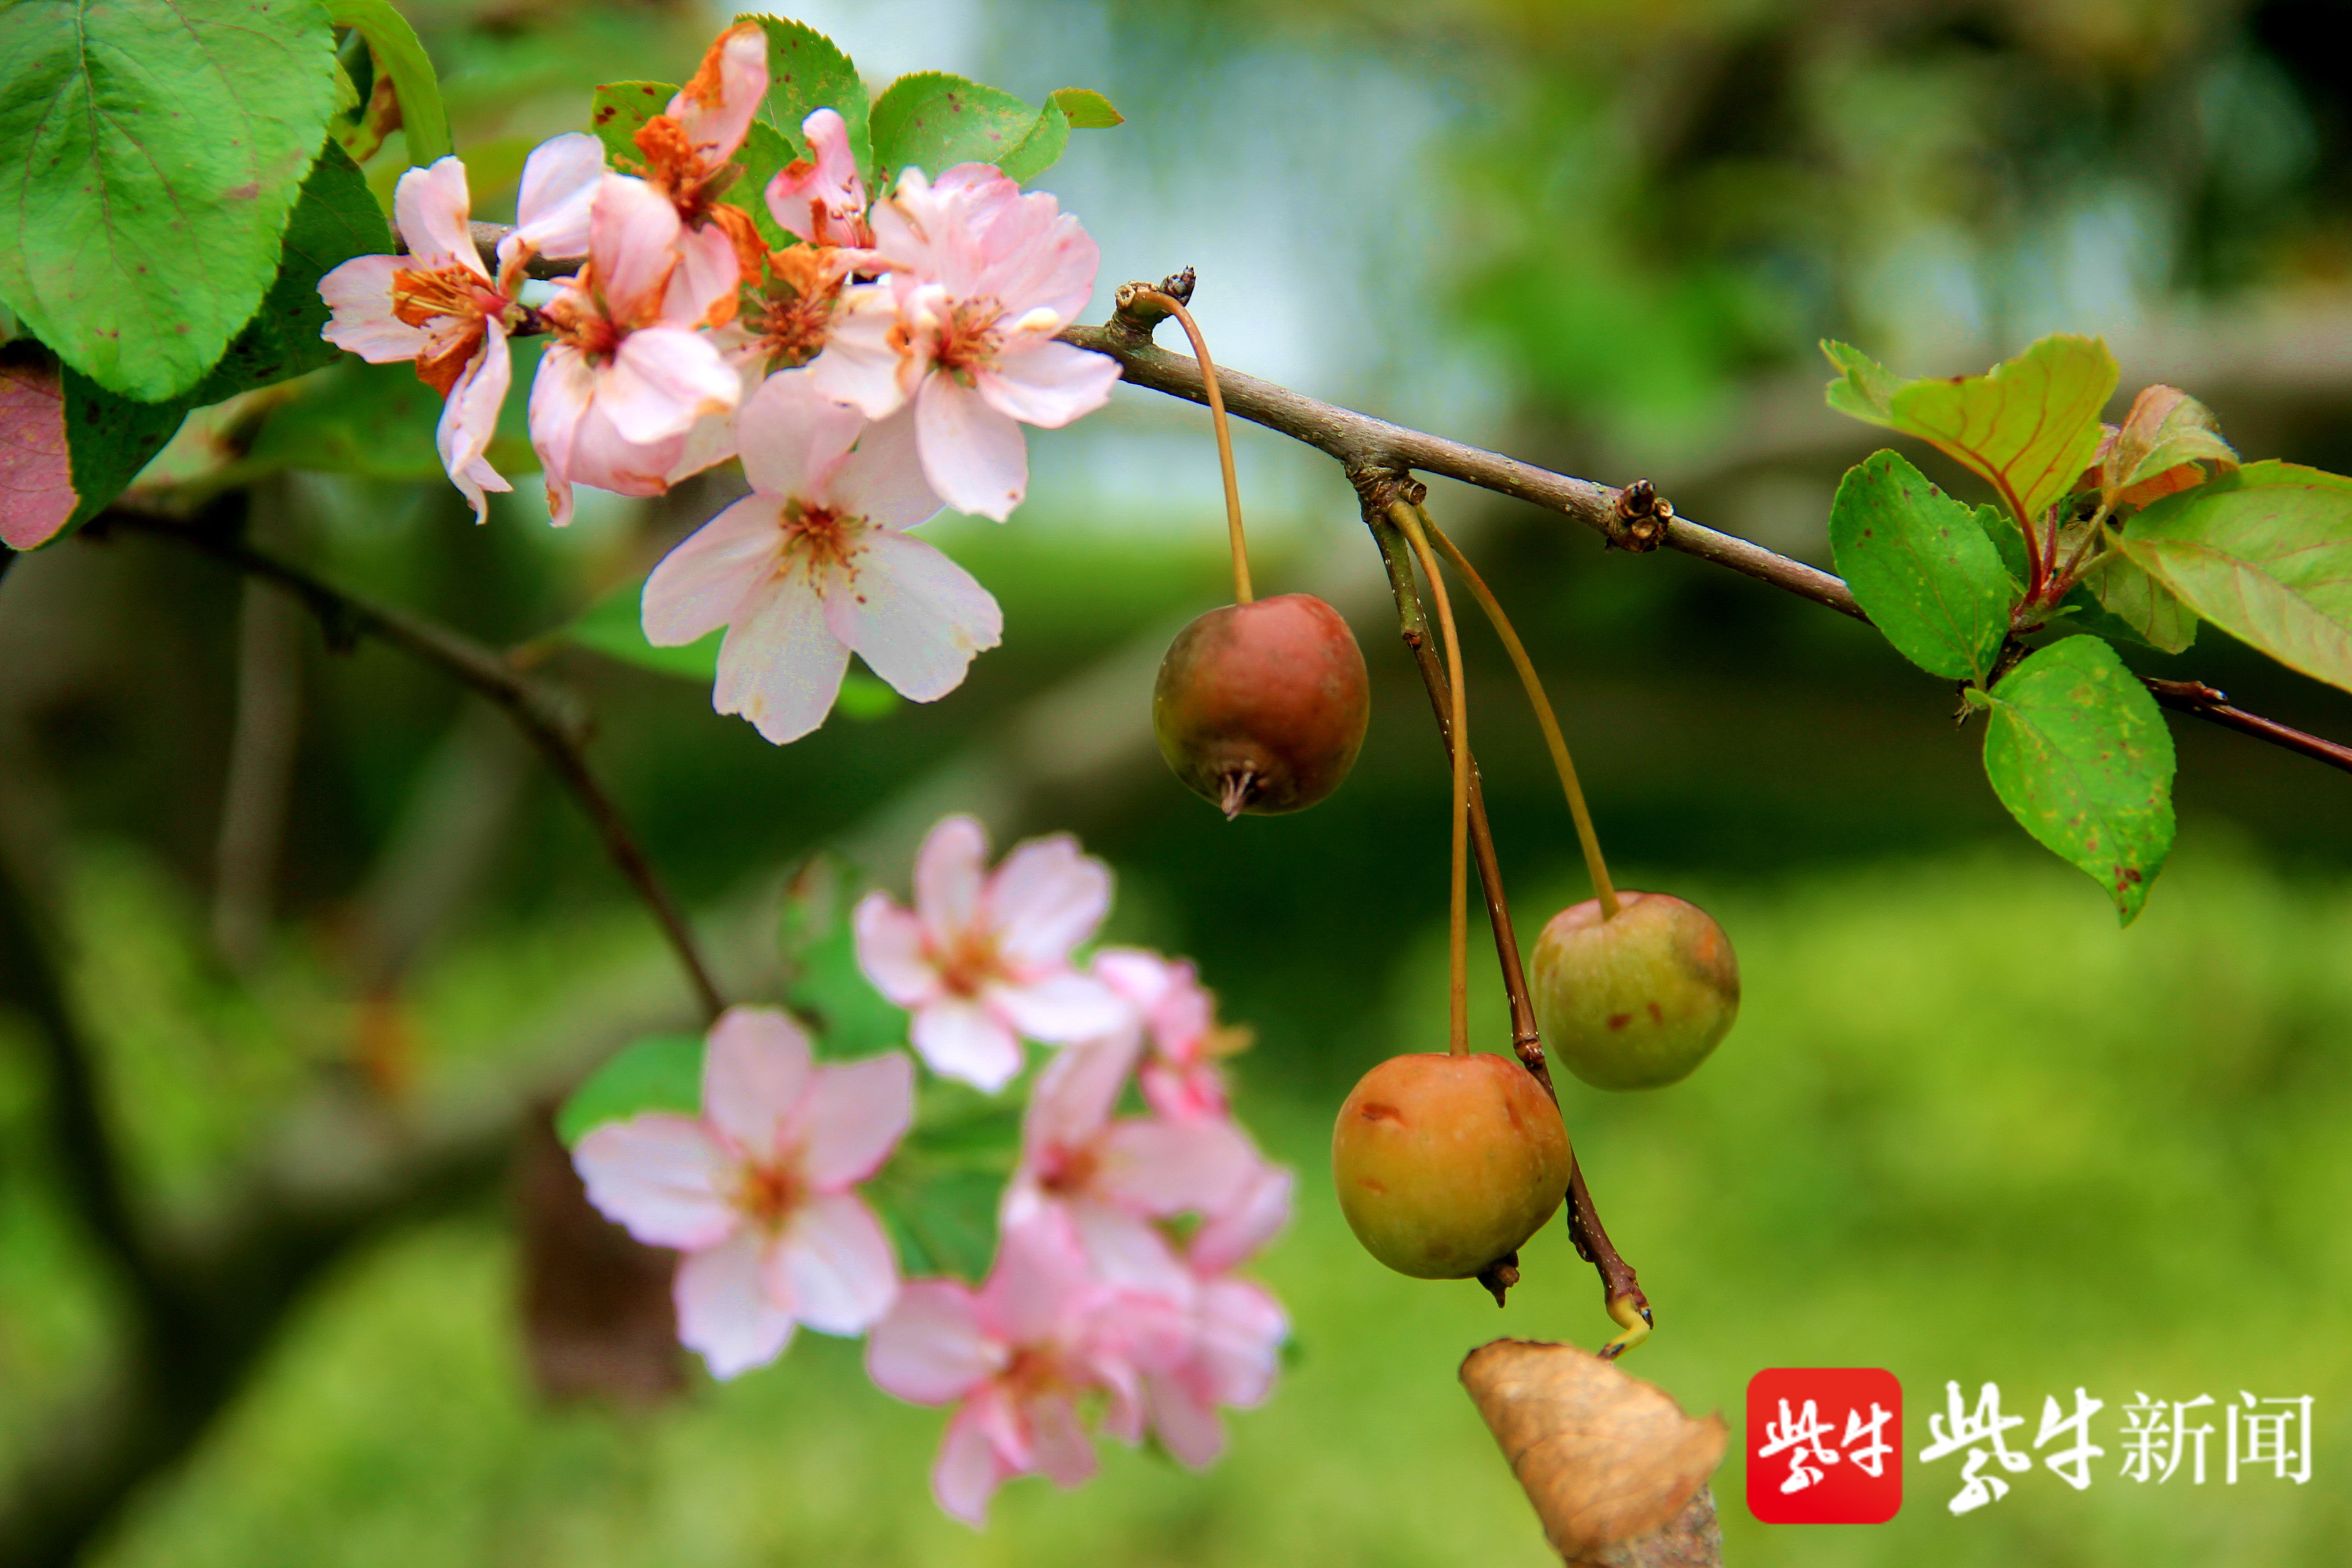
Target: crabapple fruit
(1447, 1163)
(1638, 1000)
(1262, 707)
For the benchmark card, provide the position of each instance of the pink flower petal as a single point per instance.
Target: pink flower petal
(957, 1039)
(701, 585)
(916, 617)
(661, 379)
(781, 668)
(469, 421)
(724, 1310)
(1059, 1008)
(890, 952)
(853, 1115)
(1040, 1280)
(1134, 1253)
(703, 287)
(561, 396)
(1186, 1421)
(358, 297)
(862, 363)
(431, 207)
(1240, 1328)
(821, 200)
(1065, 1453)
(1254, 1216)
(968, 1470)
(633, 231)
(1073, 1097)
(1050, 385)
(1048, 897)
(930, 1348)
(975, 456)
(559, 188)
(755, 1072)
(836, 1265)
(950, 870)
(794, 435)
(1157, 1167)
(601, 456)
(882, 481)
(662, 1177)
(715, 107)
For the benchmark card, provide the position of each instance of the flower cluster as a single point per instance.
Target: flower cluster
(874, 372)
(1113, 1295)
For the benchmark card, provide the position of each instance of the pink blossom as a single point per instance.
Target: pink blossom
(821, 200)
(814, 565)
(688, 147)
(1232, 1348)
(1112, 1178)
(631, 369)
(981, 277)
(983, 958)
(757, 1191)
(1182, 1076)
(438, 305)
(1017, 1357)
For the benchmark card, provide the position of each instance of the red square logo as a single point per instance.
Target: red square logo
(1824, 1444)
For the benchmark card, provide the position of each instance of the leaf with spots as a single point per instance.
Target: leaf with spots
(806, 72)
(1087, 109)
(2029, 426)
(1922, 565)
(934, 122)
(618, 110)
(2078, 751)
(150, 153)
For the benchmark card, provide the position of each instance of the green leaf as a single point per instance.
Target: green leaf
(1087, 109)
(377, 421)
(2077, 750)
(932, 122)
(806, 72)
(617, 110)
(150, 152)
(2007, 539)
(2265, 553)
(336, 219)
(400, 57)
(111, 439)
(763, 155)
(940, 1191)
(1041, 149)
(661, 1072)
(1920, 565)
(2029, 426)
(849, 1017)
(2144, 609)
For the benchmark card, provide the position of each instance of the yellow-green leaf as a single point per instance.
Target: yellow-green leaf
(1087, 109)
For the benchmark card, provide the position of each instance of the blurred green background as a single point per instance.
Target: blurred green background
(1965, 1129)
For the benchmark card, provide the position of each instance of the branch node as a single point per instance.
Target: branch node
(1136, 311)
(1638, 517)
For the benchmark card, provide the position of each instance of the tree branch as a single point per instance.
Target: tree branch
(554, 724)
(2195, 697)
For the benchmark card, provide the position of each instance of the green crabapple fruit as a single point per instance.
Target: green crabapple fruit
(1262, 707)
(1638, 1000)
(1447, 1163)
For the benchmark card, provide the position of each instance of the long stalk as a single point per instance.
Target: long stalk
(1175, 308)
(1457, 1040)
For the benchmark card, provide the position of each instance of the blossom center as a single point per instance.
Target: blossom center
(418, 297)
(575, 320)
(824, 537)
(968, 962)
(1068, 1171)
(768, 1193)
(965, 337)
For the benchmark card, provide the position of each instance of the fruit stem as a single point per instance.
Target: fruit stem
(1175, 308)
(1541, 703)
(1458, 954)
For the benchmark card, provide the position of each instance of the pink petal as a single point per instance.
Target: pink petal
(704, 283)
(957, 1039)
(755, 1072)
(1254, 1216)
(1197, 1089)
(561, 396)
(882, 481)
(836, 1265)
(1059, 1008)
(661, 379)
(715, 107)
(1050, 385)
(794, 435)
(949, 873)
(1186, 1421)
(930, 1348)
(701, 585)
(1039, 258)
(1241, 1329)
(968, 1470)
(853, 1115)
(821, 200)
(973, 456)
(431, 207)
(1047, 897)
(1157, 1167)
(469, 420)
(781, 668)
(1064, 1452)
(1134, 1253)
(633, 232)
(662, 1177)
(916, 617)
(724, 1309)
(1073, 1097)
(1040, 1280)
(559, 188)
(890, 952)
(862, 363)
(358, 297)
(601, 456)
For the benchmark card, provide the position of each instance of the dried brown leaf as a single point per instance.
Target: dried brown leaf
(1605, 1457)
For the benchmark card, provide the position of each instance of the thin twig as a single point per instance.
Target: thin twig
(553, 724)
(2195, 697)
